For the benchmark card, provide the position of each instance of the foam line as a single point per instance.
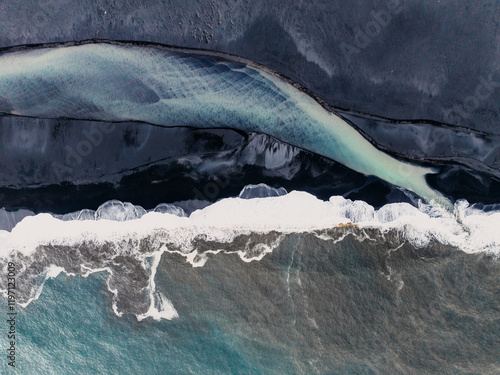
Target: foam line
(249, 228)
(469, 229)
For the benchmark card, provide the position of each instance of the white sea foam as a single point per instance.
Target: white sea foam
(51, 273)
(9, 219)
(468, 228)
(160, 307)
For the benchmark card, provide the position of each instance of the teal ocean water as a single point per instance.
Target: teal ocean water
(367, 304)
(72, 329)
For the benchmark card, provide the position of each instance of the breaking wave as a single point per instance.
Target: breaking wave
(128, 242)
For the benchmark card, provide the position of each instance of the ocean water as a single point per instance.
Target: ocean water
(312, 306)
(213, 296)
(267, 281)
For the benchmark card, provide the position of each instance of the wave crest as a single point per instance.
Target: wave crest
(127, 242)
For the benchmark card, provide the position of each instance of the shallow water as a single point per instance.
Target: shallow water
(372, 306)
